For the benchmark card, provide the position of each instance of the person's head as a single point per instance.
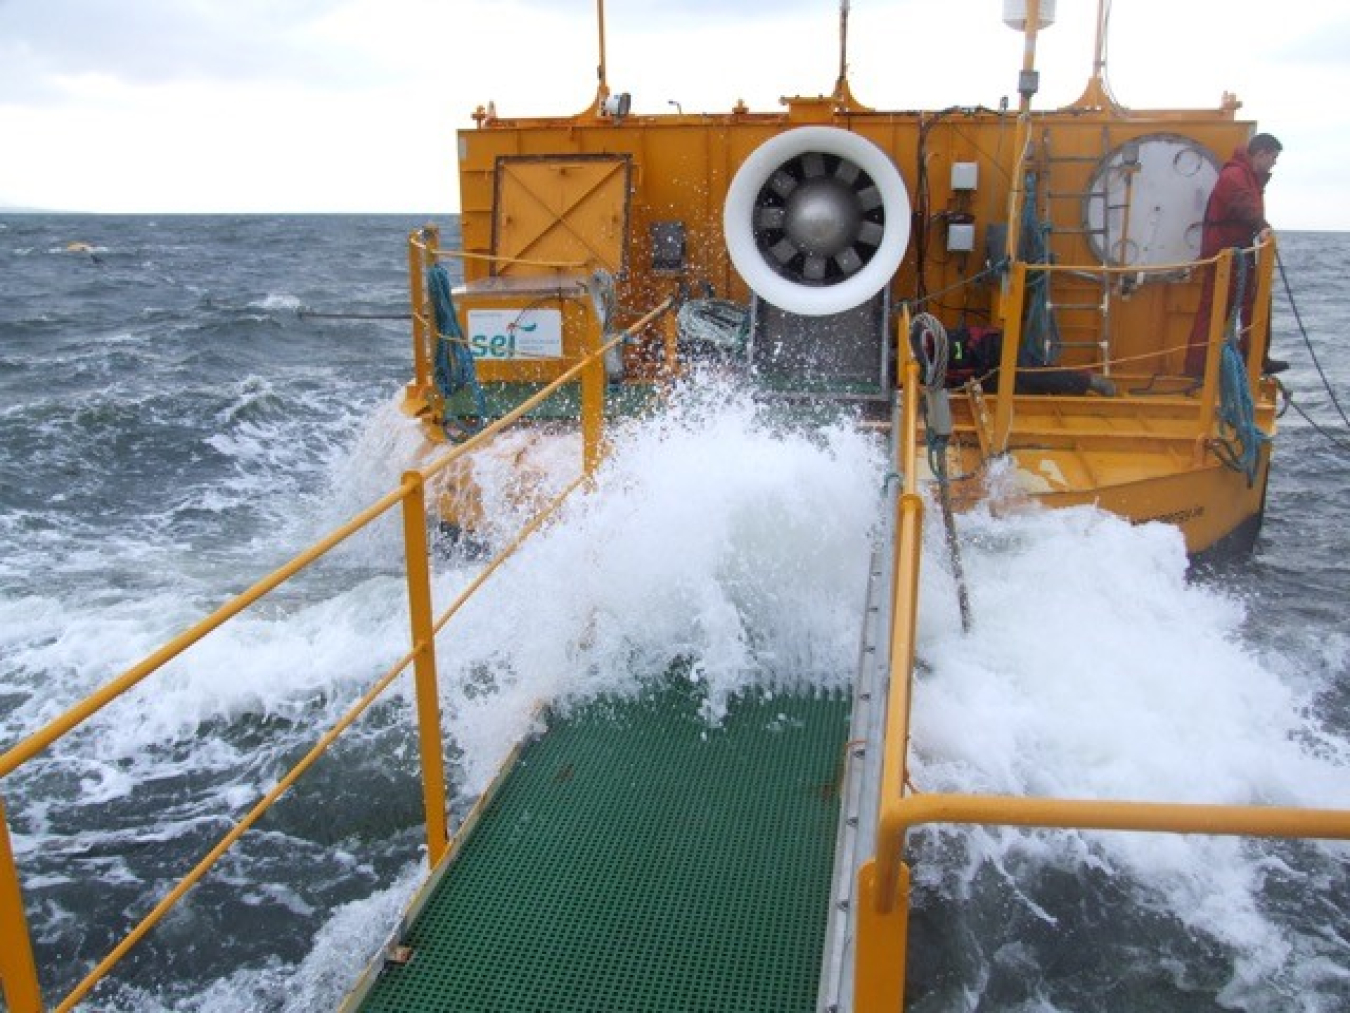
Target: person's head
(1263, 150)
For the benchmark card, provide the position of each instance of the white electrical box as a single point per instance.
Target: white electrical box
(960, 238)
(965, 175)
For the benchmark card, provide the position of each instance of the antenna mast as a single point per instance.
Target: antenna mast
(603, 91)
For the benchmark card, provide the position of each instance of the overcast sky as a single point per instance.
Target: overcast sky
(351, 105)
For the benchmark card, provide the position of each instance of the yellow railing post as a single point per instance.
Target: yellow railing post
(882, 943)
(882, 910)
(18, 969)
(424, 663)
(1258, 338)
(1218, 320)
(1012, 341)
(592, 402)
(422, 249)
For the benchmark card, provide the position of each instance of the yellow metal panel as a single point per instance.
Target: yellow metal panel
(565, 210)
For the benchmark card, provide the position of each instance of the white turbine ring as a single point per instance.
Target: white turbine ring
(822, 296)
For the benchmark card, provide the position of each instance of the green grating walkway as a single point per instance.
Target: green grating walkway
(637, 859)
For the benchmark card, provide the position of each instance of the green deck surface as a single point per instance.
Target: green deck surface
(639, 859)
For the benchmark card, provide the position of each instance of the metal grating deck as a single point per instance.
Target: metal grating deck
(637, 859)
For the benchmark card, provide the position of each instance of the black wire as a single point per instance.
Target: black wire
(1328, 436)
(993, 270)
(1289, 292)
(353, 316)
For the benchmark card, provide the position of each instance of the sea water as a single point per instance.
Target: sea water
(176, 419)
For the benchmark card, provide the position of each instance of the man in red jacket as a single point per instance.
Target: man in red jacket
(1235, 216)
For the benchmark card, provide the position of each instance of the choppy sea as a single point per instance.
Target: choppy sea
(185, 402)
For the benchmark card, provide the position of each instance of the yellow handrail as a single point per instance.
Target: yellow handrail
(35, 743)
(1222, 265)
(882, 923)
(883, 881)
(18, 970)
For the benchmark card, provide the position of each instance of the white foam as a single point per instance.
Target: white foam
(718, 541)
(712, 540)
(1095, 669)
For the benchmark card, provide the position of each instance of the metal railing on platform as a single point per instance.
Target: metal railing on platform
(19, 979)
(883, 887)
(1223, 265)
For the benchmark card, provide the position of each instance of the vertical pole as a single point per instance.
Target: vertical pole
(424, 664)
(602, 92)
(1027, 84)
(882, 943)
(418, 262)
(1007, 369)
(592, 401)
(1258, 340)
(1218, 320)
(840, 88)
(18, 969)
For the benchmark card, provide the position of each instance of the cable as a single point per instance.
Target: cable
(1289, 293)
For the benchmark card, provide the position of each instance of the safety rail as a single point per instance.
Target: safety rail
(883, 884)
(1221, 264)
(19, 983)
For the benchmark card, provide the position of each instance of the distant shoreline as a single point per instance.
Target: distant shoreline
(27, 212)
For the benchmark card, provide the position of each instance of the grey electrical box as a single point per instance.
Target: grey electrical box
(960, 238)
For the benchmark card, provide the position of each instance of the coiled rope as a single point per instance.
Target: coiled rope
(928, 338)
(453, 366)
(713, 323)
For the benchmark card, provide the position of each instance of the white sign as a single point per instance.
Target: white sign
(515, 334)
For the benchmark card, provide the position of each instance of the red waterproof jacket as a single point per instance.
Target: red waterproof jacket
(1236, 211)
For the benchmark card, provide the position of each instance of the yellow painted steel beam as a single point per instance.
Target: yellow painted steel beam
(429, 736)
(18, 970)
(1258, 339)
(422, 246)
(904, 619)
(882, 942)
(1012, 341)
(1092, 814)
(593, 398)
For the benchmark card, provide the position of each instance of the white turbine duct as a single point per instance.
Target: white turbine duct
(817, 220)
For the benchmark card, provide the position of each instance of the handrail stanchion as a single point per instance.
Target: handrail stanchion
(882, 912)
(18, 969)
(424, 664)
(1012, 341)
(593, 401)
(421, 254)
(1258, 338)
(1218, 320)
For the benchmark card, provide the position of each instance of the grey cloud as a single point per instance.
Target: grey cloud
(154, 42)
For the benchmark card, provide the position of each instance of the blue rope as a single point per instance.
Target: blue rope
(1040, 338)
(1237, 413)
(453, 364)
